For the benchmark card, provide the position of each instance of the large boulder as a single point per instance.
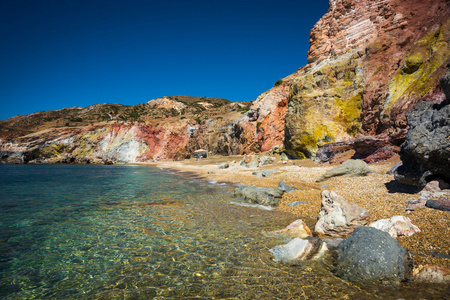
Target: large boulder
(350, 168)
(337, 217)
(299, 249)
(370, 254)
(260, 195)
(426, 151)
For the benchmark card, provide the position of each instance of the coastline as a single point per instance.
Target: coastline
(378, 192)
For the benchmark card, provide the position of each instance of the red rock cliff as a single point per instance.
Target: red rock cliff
(369, 63)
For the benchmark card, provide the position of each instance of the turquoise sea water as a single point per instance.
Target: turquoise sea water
(137, 232)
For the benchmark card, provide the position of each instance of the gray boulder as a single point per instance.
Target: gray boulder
(284, 187)
(224, 166)
(266, 160)
(370, 254)
(253, 161)
(350, 168)
(283, 157)
(265, 173)
(426, 151)
(260, 195)
(337, 217)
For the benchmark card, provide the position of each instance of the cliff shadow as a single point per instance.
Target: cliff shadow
(395, 186)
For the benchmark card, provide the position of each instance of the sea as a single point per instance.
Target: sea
(140, 232)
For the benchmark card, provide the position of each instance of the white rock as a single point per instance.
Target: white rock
(396, 226)
(299, 249)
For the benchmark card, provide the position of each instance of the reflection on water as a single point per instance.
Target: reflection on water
(107, 232)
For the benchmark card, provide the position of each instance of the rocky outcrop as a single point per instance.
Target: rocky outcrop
(425, 154)
(370, 255)
(337, 217)
(370, 62)
(260, 195)
(350, 168)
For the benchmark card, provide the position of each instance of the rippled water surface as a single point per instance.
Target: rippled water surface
(136, 232)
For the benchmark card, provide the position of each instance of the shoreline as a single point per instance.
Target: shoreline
(378, 192)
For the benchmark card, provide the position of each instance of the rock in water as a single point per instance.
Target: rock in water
(370, 254)
(337, 217)
(299, 249)
(350, 168)
(396, 226)
(260, 195)
(426, 150)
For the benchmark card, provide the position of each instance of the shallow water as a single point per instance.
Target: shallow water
(137, 232)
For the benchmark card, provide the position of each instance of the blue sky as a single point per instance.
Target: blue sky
(64, 53)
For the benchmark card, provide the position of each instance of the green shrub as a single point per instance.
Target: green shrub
(278, 82)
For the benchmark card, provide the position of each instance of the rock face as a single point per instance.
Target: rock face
(350, 168)
(260, 195)
(370, 62)
(426, 151)
(337, 217)
(299, 249)
(371, 255)
(396, 226)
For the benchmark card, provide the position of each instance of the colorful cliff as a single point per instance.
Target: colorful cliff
(370, 62)
(163, 128)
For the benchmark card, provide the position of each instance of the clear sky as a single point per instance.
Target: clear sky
(65, 53)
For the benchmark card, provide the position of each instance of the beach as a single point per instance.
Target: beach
(378, 192)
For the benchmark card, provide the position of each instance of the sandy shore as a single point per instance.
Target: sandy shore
(378, 192)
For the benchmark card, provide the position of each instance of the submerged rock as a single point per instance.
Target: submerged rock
(337, 217)
(299, 249)
(396, 226)
(371, 255)
(260, 195)
(350, 168)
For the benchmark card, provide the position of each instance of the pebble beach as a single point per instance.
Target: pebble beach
(378, 192)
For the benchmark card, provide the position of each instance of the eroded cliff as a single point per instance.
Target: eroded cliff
(370, 62)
